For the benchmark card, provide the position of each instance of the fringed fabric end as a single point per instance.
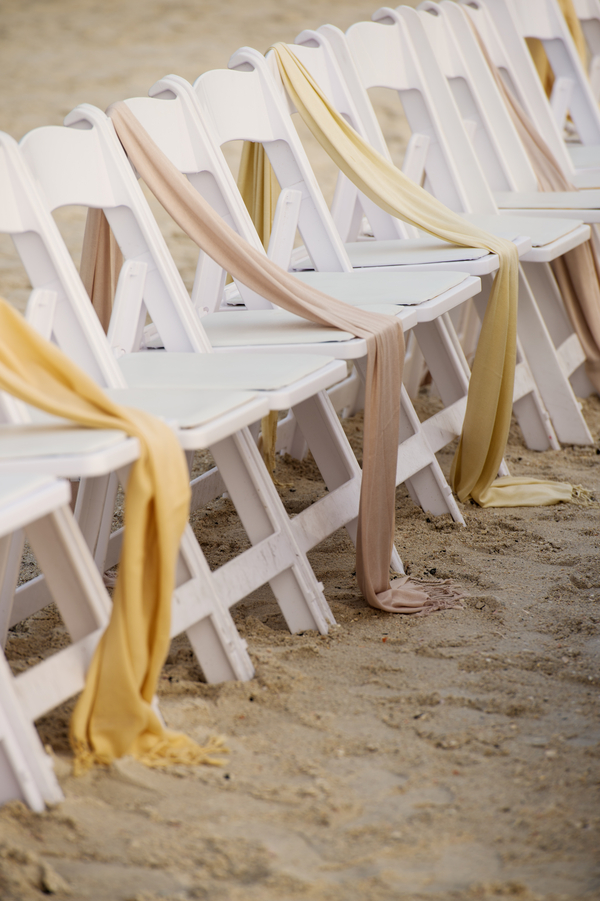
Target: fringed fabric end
(178, 749)
(84, 758)
(582, 496)
(419, 597)
(172, 749)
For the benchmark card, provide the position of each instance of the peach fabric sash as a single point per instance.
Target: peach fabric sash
(385, 346)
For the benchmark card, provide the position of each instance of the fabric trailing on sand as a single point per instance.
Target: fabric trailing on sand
(113, 715)
(577, 271)
(385, 348)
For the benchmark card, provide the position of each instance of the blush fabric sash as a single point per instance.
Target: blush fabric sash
(385, 348)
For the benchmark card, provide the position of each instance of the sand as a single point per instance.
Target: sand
(454, 756)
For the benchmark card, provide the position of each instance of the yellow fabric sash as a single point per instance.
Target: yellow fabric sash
(489, 405)
(577, 271)
(113, 715)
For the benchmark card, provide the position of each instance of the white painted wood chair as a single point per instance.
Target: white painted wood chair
(528, 407)
(257, 502)
(503, 27)
(588, 13)
(202, 418)
(384, 55)
(495, 141)
(318, 422)
(193, 145)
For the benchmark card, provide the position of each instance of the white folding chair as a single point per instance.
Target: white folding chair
(489, 126)
(397, 55)
(38, 506)
(318, 421)
(203, 418)
(259, 506)
(503, 27)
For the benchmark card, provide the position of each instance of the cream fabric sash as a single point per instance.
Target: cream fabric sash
(489, 404)
(385, 346)
(113, 715)
(577, 271)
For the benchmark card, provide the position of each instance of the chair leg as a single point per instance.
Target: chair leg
(277, 558)
(11, 552)
(199, 610)
(341, 473)
(26, 771)
(551, 380)
(545, 288)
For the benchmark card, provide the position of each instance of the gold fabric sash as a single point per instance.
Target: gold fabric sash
(489, 404)
(113, 715)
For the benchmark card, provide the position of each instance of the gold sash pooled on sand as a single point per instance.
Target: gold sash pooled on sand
(113, 715)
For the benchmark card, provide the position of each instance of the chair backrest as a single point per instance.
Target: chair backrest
(508, 51)
(543, 19)
(245, 102)
(84, 164)
(488, 123)
(53, 276)
(393, 52)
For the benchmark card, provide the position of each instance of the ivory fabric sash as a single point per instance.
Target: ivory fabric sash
(385, 347)
(577, 271)
(113, 715)
(489, 404)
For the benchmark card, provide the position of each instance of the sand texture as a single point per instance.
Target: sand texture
(447, 757)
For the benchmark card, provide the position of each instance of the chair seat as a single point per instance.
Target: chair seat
(62, 449)
(267, 327)
(376, 287)
(27, 497)
(54, 439)
(191, 407)
(410, 252)
(541, 231)
(548, 200)
(255, 372)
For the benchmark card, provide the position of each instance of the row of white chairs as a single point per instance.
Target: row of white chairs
(266, 359)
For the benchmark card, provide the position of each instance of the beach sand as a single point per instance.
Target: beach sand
(447, 757)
